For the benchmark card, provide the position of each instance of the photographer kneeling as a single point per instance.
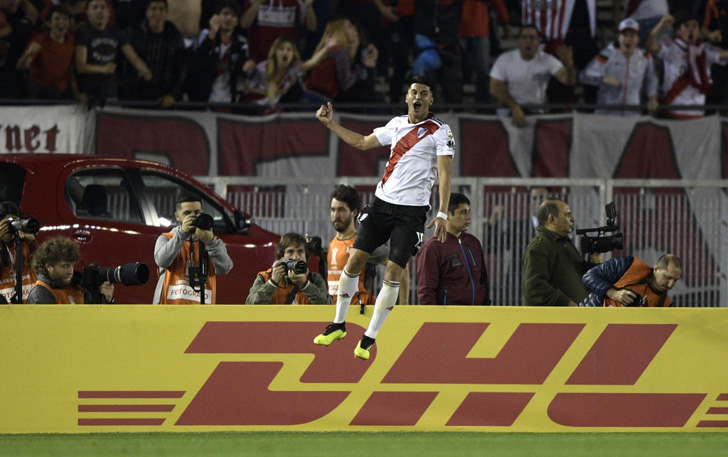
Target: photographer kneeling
(289, 282)
(189, 257)
(628, 281)
(57, 282)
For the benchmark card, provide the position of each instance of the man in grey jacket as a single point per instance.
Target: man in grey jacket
(189, 257)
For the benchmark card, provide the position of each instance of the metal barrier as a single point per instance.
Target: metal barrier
(688, 218)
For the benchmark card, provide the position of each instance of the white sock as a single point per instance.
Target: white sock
(385, 302)
(348, 286)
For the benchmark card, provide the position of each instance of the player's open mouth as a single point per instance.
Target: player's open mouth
(416, 105)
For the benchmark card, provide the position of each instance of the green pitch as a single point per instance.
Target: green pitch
(389, 444)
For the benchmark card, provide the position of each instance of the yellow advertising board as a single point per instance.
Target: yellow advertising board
(81, 369)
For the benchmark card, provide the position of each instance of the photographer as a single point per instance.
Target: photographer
(57, 282)
(288, 281)
(552, 267)
(12, 265)
(628, 281)
(189, 257)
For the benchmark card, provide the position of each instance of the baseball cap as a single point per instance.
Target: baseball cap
(629, 24)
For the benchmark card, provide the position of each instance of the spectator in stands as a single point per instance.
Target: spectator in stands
(21, 16)
(520, 76)
(189, 258)
(9, 241)
(97, 49)
(338, 71)
(621, 71)
(552, 267)
(345, 208)
(686, 62)
(402, 42)
(715, 28)
(76, 10)
(57, 282)
(372, 17)
(475, 41)
(647, 13)
(279, 78)
(159, 44)
(453, 272)
(221, 60)
(266, 20)
(449, 75)
(282, 284)
(49, 57)
(628, 281)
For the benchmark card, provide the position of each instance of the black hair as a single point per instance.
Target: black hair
(681, 17)
(187, 197)
(530, 26)
(60, 9)
(231, 4)
(456, 199)
(348, 195)
(9, 207)
(424, 81)
(291, 239)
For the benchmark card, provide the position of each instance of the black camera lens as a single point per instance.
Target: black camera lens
(204, 221)
(296, 266)
(30, 225)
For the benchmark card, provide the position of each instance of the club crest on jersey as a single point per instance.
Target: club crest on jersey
(421, 132)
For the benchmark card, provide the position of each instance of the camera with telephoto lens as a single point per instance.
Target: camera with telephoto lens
(129, 274)
(296, 266)
(602, 242)
(204, 221)
(29, 225)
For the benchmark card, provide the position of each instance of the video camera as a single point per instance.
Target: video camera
(602, 242)
(129, 274)
(29, 225)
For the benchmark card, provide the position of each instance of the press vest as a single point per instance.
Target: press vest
(176, 289)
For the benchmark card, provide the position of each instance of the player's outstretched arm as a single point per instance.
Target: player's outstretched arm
(325, 115)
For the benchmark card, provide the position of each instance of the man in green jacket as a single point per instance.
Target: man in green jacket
(552, 267)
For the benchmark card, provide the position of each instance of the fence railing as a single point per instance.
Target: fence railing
(688, 218)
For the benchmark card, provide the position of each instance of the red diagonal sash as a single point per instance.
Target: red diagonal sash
(406, 143)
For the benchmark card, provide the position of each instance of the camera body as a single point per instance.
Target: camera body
(29, 225)
(129, 274)
(296, 266)
(639, 301)
(602, 242)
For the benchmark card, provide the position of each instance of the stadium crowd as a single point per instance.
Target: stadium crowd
(258, 56)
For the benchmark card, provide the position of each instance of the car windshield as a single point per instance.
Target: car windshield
(164, 191)
(12, 179)
(99, 193)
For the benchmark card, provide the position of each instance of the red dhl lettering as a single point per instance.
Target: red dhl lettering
(237, 393)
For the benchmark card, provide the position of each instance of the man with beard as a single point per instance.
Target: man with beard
(345, 208)
(686, 62)
(57, 283)
(628, 281)
(421, 152)
(520, 77)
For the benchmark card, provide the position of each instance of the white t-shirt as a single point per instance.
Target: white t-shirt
(526, 80)
(412, 166)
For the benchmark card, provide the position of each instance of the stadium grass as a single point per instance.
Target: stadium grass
(369, 444)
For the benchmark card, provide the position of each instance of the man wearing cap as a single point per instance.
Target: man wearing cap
(620, 70)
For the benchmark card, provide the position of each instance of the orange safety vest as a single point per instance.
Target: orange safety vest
(636, 279)
(336, 259)
(176, 289)
(281, 296)
(7, 275)
(69, 295)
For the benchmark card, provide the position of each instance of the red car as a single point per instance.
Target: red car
(116, 208)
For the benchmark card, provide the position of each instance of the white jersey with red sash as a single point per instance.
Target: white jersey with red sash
(7, 275)
(412, 166)
(552, 17)
(686, 74)
(176, 289)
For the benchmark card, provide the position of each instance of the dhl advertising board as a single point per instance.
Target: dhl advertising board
(80, 369)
